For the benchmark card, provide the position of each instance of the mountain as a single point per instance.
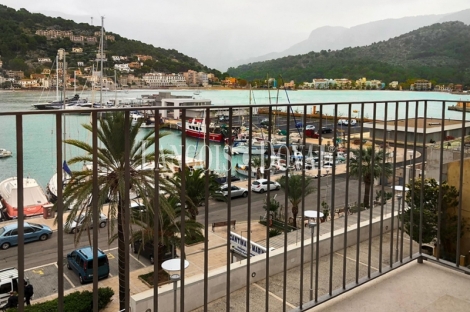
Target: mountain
(438, 52)
(335, 38)
(20, 47)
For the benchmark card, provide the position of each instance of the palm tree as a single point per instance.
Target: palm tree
(295, 191)
(111, 178)
(259, 162)
(170, 224)
(195, 180)
(360, 165)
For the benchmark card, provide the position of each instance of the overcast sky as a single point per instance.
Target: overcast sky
(212, 31)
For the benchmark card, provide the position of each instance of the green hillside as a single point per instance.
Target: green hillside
(20, 47)
(440, 52)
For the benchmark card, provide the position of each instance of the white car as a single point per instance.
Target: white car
(309, 127)
(343, 122)
(261, 186)
(353, 122)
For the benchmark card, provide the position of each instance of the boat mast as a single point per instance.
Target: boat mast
(101, 57)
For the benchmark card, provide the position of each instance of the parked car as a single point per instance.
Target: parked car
(309, 127)
(299, 125)
(147, 249)
(261, 185)
(353, 122)
(80, 221)
(81, 262)
(326, 130)
(235, 191)
(343, 122)
(32, 232)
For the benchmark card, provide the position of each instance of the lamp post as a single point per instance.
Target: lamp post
(399, 197)
(173, 267)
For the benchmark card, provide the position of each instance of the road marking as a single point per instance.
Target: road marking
(273, 295)
(65, 276)
(354, 260)
(138, 260)
(110, 256)
(38, 271)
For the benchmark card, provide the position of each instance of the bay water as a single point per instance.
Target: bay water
(39, 130)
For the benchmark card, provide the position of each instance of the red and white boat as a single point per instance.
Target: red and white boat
(34, 197)
(196, 128)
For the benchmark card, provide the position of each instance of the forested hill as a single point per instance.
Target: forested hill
(440, 52)
(20, 47)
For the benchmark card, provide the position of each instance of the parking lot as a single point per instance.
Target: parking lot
(45, 278)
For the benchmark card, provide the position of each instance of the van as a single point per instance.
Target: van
(81, 262)
(8, 282)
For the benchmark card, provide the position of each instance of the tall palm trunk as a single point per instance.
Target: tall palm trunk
(121, 260)
(295, 211)
(366, 199)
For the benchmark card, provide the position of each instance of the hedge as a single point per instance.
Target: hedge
(73, 302)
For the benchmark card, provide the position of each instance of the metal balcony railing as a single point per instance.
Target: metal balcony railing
(365, 217)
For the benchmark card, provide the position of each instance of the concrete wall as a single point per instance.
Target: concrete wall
(194, 289)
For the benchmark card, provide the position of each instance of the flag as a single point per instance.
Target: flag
(66, 168)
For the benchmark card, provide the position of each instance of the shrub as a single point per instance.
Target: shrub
(274, 232)
(74, 302)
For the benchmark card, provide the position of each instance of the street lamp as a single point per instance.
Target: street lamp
(173, 267)
(311, 214)
(399, 197)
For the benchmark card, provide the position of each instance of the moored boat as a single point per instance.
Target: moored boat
(34, 197)
(460, 107)
(196, 128)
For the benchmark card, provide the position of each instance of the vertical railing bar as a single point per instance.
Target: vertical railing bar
(405, 177)
(394, 174)
(421, 195)
(229, 208)
(248, 245)
(359, 161)
(346, 199)
(94, 208)
(126, 221)
(462, 152)
(441, 195)
(206, 208)
(183, 204)
(157, 210)
(332, 199)
(20, 207)
(371, 188)
(317, 234)
(60, 211)
(268, 201)
(413, 176)
(302, 211)
(384, 178)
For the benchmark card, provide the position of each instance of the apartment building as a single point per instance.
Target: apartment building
(164, 80)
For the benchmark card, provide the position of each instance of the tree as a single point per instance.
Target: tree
(360, 165)
(433, 205)
(169, 224)
(111, 179)
(272, 207)
(195, 181)
(295, 191)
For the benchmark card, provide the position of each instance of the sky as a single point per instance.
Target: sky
(218, 32)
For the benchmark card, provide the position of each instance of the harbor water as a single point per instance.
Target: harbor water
(39, 130)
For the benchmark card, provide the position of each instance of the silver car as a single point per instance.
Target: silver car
(235, 191)
(79, 221)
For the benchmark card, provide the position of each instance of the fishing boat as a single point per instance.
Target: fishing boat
(34, 197)
(4, 153)
(196, 128)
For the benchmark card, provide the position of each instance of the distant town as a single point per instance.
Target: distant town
(87, 76)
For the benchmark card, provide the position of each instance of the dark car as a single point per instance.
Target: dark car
(146, 251)
(326, 130)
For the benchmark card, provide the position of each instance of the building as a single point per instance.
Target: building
(320, 84)
(155, 80)
(421, 85)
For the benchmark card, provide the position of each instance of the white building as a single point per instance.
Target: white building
(123, 68)
(164, 80)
